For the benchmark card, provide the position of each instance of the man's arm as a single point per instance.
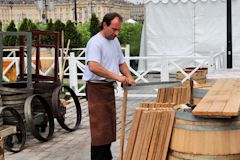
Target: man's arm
(125, 71)
(99, 70)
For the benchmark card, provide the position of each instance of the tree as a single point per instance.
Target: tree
(94, 25)
(131, 34)
(59, 27)
(85, 33)
(10, 40)
(32, 26)
(46, 39)
(27, 25)
(24, 25)
(72, 34)
(0, 26)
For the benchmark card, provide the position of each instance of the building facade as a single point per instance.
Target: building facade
(64, 10)
(137, 12)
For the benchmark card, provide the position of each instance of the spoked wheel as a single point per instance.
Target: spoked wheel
(67, 108)
(39, 117)
(14, 142)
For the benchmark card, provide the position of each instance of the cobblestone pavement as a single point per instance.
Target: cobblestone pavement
(74, 145)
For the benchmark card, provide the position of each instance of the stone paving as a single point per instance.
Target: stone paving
(74, 145)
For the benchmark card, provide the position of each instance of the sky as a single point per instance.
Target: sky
(136, 1)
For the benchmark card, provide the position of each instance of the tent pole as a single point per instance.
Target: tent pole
(229, 34)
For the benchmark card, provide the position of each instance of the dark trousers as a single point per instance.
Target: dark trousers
(102, 152)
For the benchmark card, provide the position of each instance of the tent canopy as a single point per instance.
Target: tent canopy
(188, 28)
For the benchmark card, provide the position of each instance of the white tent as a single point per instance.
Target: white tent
(131, 21)
(188, 28)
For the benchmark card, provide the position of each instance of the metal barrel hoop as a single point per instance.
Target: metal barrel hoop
(30, 117)
(60, 110)
(15, 119)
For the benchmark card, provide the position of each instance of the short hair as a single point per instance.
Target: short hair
(109, 17)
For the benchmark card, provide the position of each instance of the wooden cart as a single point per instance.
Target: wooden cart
(37, 98)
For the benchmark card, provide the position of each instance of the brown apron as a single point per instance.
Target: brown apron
(102, 113)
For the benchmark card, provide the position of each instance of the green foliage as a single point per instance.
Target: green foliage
(59, 27)
(131, 34)
(48, 39)
(10, 40)
(72, 34)
(41, 26)
(27, 25)
(85, 33)
(94, 23)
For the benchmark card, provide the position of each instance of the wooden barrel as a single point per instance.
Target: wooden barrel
(198, 94)
(1, 149)
(45, 89)
(14, 95)
(199, 76)
(198, 138)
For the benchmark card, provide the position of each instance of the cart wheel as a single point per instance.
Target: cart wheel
(39, 117)
(14, 142)
(67, 108)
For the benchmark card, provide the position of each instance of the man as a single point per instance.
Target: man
(104, 62)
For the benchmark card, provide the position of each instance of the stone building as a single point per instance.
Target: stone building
(62, 10)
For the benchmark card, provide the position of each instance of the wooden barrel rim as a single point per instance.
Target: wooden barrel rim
(207, 128)
(202, 157)
(15, 97)
(189, 117)
(199, 92)
(16, 90)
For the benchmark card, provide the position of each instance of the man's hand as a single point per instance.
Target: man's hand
(131, 82)
(126, 81)
(123, 80)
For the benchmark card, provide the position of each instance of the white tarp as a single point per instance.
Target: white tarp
(188, 28)
(131, 21)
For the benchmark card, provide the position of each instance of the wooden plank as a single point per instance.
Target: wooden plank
(170, 95)
(175, 95)
(160, 141)
(168, 134)
(148, 135)
(155, 136)
(133, 134)
(218, 105)
(144, 134)
(138, 143)
(221, 100)
(162, 93)
(232, 106)
(203, 107)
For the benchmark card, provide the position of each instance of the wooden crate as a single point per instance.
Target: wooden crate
(199, 76)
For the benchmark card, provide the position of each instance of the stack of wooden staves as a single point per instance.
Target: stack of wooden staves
(174, 96)
(152, 125)
(150, 132)
(222, 100)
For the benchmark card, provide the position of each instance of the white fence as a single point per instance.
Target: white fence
(76, 66)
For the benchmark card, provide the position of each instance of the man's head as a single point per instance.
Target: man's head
(111, 25)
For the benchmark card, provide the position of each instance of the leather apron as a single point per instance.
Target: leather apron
(102, 112)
